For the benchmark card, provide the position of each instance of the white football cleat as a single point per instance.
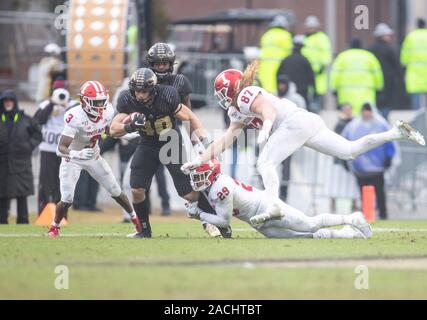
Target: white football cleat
(359, 222)
(273, 212)
(212, 230)
(353, 233)
(410, 133)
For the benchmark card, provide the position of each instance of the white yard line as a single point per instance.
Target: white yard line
(115, 234)
(373, 229)
(70, 235)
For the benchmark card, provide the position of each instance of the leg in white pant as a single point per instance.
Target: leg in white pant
(296, 220)
(100, 170)
(331, 143)
(69, 173)
(284, 141)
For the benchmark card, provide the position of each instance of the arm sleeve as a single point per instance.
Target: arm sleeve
(174, 102)
(224, 211)
(186, 87)
(123, 103)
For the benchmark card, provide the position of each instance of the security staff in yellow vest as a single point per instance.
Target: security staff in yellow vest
(318, 50)
(356, 76)
(275, 45)
(413, 56)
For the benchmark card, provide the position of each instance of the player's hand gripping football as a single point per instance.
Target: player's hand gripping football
(137, 123)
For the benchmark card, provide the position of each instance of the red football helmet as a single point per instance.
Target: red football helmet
(94, 99)
(225, 85)
(204, 175)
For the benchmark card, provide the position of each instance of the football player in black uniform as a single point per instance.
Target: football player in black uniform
(158, 106)
(161, 59)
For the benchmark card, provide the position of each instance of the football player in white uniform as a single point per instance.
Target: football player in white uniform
(266, 213)
(78, 147)
(284, 127)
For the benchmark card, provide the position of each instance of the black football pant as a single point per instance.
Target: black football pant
(49, 190)
(22, 214)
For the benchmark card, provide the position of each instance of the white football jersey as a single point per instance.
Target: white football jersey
(52, 129)
(229, 195)
(85, 133)
(242, 113)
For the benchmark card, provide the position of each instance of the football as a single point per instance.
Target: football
(130, 117)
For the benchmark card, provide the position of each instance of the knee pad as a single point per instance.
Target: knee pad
(66, 197)
(138, 195)
(115, 190)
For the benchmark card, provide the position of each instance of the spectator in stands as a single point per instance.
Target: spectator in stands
(19, 135)
(298, 69)
(356, 76)
(369, 167)
(318, 50)
(50, 115)
(413, 56)
(388, 58)
(275, 45)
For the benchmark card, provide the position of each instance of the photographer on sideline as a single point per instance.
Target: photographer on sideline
(50, 116)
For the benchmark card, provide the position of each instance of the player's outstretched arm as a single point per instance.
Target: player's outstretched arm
(196, 127)
(218, 146)
(223, 210)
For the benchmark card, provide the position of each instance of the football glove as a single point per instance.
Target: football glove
(193, 211)
(187, 167)
(84, 154)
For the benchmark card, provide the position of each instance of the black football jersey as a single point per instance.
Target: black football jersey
(160, 115)
(180, 83)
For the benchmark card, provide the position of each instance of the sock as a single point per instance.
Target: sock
(142, 210)
(54, 224)
(329, 220)
(132, 214)
(345, 233)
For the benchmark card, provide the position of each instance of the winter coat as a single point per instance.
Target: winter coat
(19, 135)
(299, 71)
(390, 66)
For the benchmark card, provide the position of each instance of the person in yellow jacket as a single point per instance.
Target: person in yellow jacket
(356, 76)
(275, 45)
(413, 56)
(318, 50)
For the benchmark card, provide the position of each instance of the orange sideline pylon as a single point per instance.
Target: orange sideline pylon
(368, 203)
(47, 215)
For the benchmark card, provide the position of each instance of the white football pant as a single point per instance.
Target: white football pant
(295, 224)
(69, 173)
(303, 128)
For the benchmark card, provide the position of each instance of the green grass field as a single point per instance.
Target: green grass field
(181, 262)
